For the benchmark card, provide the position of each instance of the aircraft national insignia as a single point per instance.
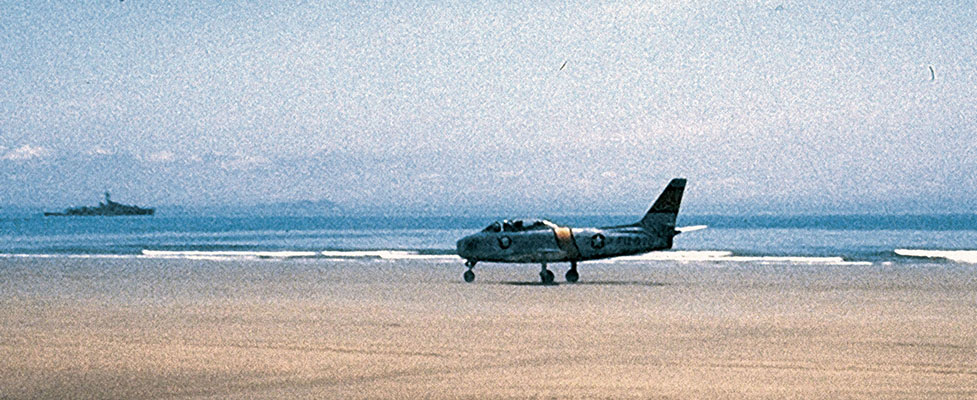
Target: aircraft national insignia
(597, 241)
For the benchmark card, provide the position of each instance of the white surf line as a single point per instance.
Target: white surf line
(48, 255)
(386, 255)
(797, 260)
(362, 253)
(964, 256)
(179, 255)
(122, 256)
(727, 256)
(681, 255)
(397, 256)
(228, 254)
(787, 259)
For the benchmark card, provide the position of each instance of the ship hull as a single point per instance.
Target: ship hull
(99, 214)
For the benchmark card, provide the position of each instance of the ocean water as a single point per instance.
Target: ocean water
(842, 239)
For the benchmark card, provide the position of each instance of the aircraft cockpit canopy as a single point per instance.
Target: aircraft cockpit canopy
(519, 225)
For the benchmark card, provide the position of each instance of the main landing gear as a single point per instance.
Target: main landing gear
(546, 275)
(470, 275)
(572, 275)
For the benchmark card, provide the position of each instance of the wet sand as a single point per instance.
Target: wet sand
(145, 328)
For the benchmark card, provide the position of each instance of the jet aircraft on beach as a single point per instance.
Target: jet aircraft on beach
(541, 241)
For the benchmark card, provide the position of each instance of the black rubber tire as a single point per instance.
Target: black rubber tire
(469, 276)
(547, 277)
(572, 276)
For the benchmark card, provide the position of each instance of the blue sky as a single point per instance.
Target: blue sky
(772, 106)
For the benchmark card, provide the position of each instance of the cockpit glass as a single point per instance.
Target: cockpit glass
(530, 225)
(519, 225)
(495, 227)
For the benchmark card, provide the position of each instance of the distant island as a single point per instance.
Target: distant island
(108, 208)
(299, 208)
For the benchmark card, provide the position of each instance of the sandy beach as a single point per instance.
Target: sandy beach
(159, 328)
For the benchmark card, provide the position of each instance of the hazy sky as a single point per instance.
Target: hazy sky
(442, 106)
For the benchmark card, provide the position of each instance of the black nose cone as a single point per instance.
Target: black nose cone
(466, 246)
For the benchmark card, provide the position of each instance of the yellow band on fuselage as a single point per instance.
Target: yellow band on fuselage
(564, 239)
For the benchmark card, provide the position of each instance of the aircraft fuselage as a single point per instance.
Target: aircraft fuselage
(552, 245)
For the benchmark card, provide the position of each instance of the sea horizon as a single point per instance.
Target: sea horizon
(767, 238)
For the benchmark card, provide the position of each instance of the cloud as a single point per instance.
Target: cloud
(100, 151)
(161, 156)
(25, 152)
(245, 162)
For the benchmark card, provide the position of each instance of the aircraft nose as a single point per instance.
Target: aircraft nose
(466, 246)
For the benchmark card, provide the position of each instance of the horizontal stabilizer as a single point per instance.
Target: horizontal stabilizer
(683, 229)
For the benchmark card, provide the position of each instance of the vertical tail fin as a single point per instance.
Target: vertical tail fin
(660, 219)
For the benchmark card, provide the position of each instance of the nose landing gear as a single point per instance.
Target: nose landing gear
(469, 275)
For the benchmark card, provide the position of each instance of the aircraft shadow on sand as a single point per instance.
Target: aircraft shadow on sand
(588, 283)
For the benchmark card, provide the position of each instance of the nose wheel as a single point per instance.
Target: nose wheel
(469, 275)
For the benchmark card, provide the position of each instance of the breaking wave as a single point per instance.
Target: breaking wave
(963, 256)
(728, 256)
(700, 256)
(329, 254)
(228, 255)
(32, 255)
(387, 255)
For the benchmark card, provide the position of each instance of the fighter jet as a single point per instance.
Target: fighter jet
(541, 241)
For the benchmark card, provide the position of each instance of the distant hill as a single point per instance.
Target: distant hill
(300, 208)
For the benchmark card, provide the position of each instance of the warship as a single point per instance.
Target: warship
(108, 208)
